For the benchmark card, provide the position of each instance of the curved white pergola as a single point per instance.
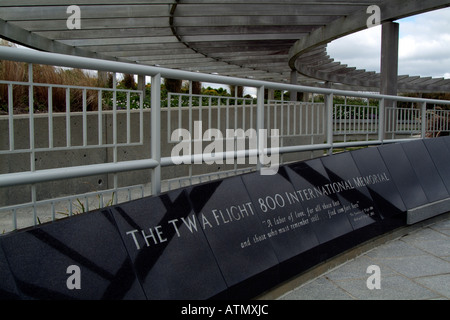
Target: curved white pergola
(258, 39)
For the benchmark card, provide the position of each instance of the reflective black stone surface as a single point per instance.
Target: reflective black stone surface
(8, 289)
(440, 154)
(348, 183)
(39, 259)
(232, 238)
(425, 169)
(284, 220)
(233, 230)
(322, 206)
(377, 178)
(168, 248)
(446, 140)
(403, 175)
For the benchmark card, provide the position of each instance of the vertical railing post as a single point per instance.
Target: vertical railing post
(259, 124)
(31, 115)
(31, 135)
(381, 125)
(424, 119)
(11, 117)
(155, 132)
(329, 110)
(115, 126)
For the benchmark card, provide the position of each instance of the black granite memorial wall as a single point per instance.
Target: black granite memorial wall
(170, 253)
(230, 238)
(384, 192)
(440, 153)
(324, 212)
(8, 288)
(232, 228)
(283, 220)
(426, 171)
(403, 175)
(42, 260)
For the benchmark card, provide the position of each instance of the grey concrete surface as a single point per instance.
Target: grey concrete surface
(413, 266)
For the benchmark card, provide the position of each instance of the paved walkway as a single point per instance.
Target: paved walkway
(415, 266)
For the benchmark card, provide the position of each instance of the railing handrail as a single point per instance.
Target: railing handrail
(56, 59)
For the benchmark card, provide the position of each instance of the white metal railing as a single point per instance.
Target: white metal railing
(404, 120)
(309, 126)
(350, 120)
(294, 118)
(213, 111)
(363, 120)
(72, 141)
(438, 122)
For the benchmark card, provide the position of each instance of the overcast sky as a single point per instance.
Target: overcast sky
(424, 46)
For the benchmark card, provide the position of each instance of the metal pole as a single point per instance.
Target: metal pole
(260, 124)
(424, 120)
(155, 124)
(31, 134)
(329, 108)
(114, 125)
(381, 126)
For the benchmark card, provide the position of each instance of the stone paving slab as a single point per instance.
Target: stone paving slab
(315, 291)
(393, 287)
(412, 267)
(439, 283)
(416, 266)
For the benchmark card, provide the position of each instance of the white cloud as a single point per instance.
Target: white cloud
(361, 49)
(424, 46)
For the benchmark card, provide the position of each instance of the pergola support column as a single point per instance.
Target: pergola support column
(389, 60)
(141, 84)
(293, 94)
